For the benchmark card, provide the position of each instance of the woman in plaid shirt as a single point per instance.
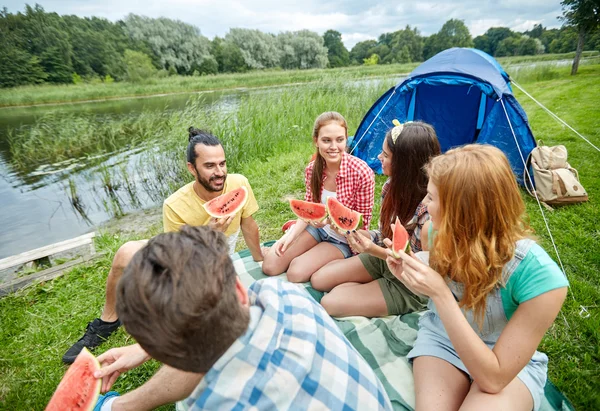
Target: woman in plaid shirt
(305, 248)
(364, 285)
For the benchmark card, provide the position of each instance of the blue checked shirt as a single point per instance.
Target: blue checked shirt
(293, 357)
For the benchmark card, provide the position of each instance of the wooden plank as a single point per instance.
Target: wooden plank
(46, 251)
(45, 275)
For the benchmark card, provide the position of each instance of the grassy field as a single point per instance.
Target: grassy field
(267, 140)
(51, 94)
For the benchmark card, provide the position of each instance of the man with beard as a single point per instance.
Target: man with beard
(206, 162)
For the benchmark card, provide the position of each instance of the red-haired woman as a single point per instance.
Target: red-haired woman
(493, 292)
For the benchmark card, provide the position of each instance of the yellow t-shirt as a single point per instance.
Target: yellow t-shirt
(185, 207)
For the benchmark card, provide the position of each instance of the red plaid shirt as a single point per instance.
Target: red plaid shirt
(355, 186)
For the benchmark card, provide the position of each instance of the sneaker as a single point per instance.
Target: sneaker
(105, 401)
(96, 333)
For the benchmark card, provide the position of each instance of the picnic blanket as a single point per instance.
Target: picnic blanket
(384, 343)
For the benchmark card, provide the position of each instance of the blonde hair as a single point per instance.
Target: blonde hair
(324, 119)
(480, 220)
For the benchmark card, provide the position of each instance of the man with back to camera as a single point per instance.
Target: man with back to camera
(224, 347)
(206, 162)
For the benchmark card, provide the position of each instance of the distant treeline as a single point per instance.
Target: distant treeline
(38, 47)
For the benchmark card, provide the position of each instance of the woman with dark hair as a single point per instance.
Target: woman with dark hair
(305, 247)
(363, 285)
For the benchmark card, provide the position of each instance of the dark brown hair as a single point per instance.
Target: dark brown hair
(177, 298)
(414, 147)
(316, 180)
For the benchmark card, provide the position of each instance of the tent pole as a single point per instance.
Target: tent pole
(376, 117)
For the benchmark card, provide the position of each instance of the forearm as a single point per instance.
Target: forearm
(377, 251)
(480, 360)
(167, 386)
(251, 236)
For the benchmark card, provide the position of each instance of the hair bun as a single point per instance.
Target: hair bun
(192, 131)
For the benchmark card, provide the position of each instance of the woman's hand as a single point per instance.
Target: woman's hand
(318, 224)
(414, 274)
(116, 361)
(359, 243)
(283, 243)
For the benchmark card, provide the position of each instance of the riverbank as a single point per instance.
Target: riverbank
(39, 324)
(49, 94)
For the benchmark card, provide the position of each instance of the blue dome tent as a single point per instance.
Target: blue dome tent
(465, 94)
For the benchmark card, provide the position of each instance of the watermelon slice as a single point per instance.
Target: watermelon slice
(227, 204)
(78, 390)
(401, 239)
(342, 217)
(308, 211)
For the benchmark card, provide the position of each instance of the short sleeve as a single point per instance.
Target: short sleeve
(171, 220)
(251, 206)
(307, 176)
(537, 274)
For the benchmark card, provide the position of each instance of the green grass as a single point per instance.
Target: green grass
(49, 94)
(573, 343)
(40, 323)
(545, 57)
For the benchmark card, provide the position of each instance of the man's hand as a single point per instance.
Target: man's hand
(116, 361)
(221, 224)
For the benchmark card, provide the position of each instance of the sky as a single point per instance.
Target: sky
(357, 20)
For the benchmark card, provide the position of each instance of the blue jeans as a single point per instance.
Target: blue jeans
(321, 235)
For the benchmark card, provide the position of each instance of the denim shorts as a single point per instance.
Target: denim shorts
(321, 235)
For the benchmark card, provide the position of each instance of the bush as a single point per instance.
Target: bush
(138, 66)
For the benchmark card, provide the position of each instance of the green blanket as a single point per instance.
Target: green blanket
(384, 343)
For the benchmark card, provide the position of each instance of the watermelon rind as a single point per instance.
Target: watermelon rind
(304, 217)
(208, 206)
(67, 396)
(332, 218)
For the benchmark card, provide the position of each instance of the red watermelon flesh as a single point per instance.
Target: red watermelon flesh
(79, 389)
(401, 240)
(342, 217)
(308, 211)
(227, 204)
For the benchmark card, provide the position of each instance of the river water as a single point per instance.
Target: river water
(36, 206)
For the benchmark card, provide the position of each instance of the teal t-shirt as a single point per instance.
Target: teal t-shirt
(535, 275)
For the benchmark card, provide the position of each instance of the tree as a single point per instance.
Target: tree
(45, 36)
(361, 51)
(496, 35)
(337, 53)
(177, 44)
(585, 16)
(258, 49)
(302, 49)
(228, 56)
(483, 43)
(405, 46)
(454, 33)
